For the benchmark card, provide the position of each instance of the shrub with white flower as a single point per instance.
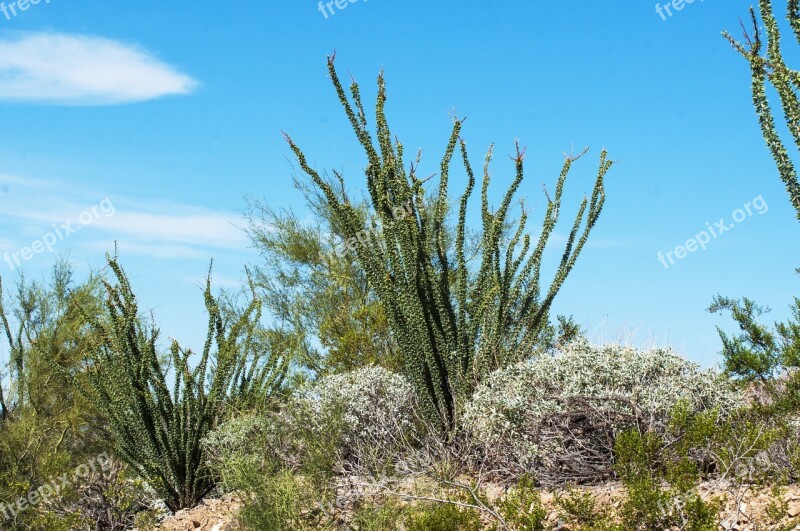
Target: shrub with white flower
(614, 384)
(375, 406)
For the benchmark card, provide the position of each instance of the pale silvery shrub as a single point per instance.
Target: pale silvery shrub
(374, 405)
(505, 410)
(345, 415)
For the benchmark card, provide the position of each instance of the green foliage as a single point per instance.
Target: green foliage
(283, 461)
(439, 516)
(455, 316)
(283, 501)
(771, 68)
(660, 477)
(384, 515)
(47, 429)
(777, 507)
(760, 354)
(157, 428)
(522, 507)
(578, 505)
(43, 325)
(324, 308)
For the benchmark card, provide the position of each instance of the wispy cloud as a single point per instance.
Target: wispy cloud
(188, 226)
(160, 251)
(83, 70)
(159, 230)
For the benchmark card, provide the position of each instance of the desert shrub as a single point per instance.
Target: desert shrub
(257, 454)
(522, 507)
(558, 416)
(764, 360)
(47, 429)
(376, 407)
(365, 414)
(380, 515)
(579, 507)
(437, 516)
(286, 458)
(100, 494)
(324, 309)
(284, 500)
(276, 495)
(239, 444)
(660, 492)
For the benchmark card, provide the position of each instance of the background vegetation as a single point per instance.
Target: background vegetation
(387, 366)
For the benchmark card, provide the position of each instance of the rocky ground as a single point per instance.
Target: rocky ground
(745, 509)
(217, 514)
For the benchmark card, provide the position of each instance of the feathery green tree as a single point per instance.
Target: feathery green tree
(771, 68)
(455, 315)
(46, 429)
(40, 324)
(319, 298)
(760, 354)
(158, 427)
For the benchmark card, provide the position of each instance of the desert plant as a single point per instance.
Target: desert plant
(442, 517)
(282, 465)
(41, 320)
(364, 420)
(375, 406)
(760, 354)
(157, 427)
(578, 506)
(522, 507)
(660, 492)
(318, 296)
(46, 429)
(381, 515)
(559, 415)
(771, 68)
(454, 319)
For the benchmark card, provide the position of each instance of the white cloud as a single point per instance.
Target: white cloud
(157, 229)
(83, 70)
(207, 229)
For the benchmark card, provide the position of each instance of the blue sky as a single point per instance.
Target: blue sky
(171, 113)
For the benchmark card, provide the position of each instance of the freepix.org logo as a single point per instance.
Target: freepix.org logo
(713, 231)
(59, 233)
(666, 9)
(330, 7)
(12, 9)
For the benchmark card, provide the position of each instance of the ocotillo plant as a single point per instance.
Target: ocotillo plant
(454, 319)
(158, 427)
(771, 68)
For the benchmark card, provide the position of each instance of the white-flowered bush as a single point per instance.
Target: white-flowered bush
(374, 406)
(337, 418)
(509, 408)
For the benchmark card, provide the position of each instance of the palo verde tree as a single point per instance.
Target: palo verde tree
(39, 322)
(770, 68)
(158, 426)
(46, 429)
(322, 306)
(455, 313)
